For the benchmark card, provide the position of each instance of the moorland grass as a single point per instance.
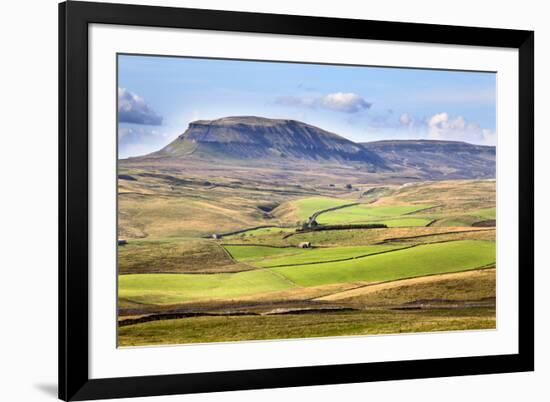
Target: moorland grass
(404, 222)
(174, 255)
(452, 195)
(159, 216)
(463, 234)
(456, 287)
(457, 221)
(370, 322)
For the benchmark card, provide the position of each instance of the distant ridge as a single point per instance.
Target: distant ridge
(435, 159)
(256, 140)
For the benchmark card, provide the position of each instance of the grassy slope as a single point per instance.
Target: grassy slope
(174, 255)
(157, 209)
(362, 213)
(259, 232)
(306, 207)
(486, 213)
(251, 253)
(452, 196)
(477, 285)
(224, 329)
(417, 261)
(255, 255)
(404, 222)
(172, 216)
(173, 288)
(325, 254)
(353, 237)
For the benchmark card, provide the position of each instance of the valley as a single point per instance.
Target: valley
(254, 229)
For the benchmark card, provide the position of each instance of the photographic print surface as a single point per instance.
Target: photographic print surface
(272, 200)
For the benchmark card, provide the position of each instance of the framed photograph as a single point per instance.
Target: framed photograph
(259, 201)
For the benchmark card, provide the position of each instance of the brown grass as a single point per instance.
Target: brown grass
(258, 327)
(180, 255)
(475, 285)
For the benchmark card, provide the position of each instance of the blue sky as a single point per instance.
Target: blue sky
(159, 96)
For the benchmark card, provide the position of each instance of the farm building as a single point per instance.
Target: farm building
(122, 242)
(216, 236)
(304, 244)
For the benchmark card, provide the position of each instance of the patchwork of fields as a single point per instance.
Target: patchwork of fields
(369, 264)
(228, 260)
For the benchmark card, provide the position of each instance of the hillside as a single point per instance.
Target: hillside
(247, 137)
(436, 160)
(260, 142)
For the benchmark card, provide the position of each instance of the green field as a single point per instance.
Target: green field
(306, 207)
(251, 253)
(173, 288)
(178, 263)
(487, 213)
(421, 260)
(407, 263)
(260, 232)
(374, 214)
(297, 256)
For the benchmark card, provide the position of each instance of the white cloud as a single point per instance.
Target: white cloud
(405, 119)
(133, 109)
(444, 127)
(346, 102)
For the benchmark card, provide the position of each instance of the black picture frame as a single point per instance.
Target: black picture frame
(74, 19)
